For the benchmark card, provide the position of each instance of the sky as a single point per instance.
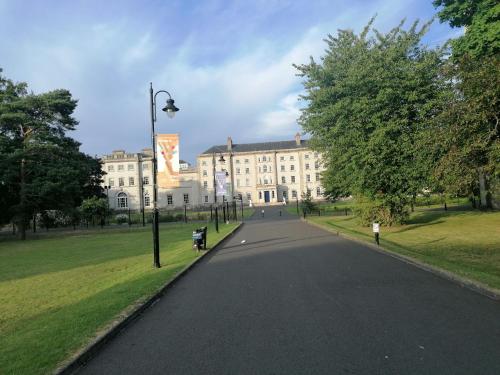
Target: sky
(227, 64)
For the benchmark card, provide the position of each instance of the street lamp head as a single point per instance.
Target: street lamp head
(170, 108)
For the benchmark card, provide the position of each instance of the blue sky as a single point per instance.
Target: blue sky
(227, 64)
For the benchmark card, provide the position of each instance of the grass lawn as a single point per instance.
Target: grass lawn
(464, 242)
(57, 292)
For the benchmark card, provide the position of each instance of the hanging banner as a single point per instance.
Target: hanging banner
(167, 146)
(220, 183)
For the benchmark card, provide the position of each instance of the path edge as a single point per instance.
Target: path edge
(462, 281)
(72, 365)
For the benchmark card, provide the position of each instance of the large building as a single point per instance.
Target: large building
(263, 173)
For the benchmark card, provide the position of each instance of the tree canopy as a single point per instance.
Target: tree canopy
(41, 168)
(368, 99)
(481, 18)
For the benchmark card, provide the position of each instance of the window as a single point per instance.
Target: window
(204, 163)
(122, 201)
(264, 168)
(306, 156)
(308, 177)
(294, 193)
(284, 194)
(292, 179)
(145, 167)
(247, 170)
(269, 169)
(317, 176)
(237, 183)
(111, 182)
(147, 200)
(249, 196)
(282, 168)
(318, 191)
(316, 165)
(130, 167)
(206, 198)
(170, 199)
(131, 181)
(264, 158)
(247, 182)
(120, 167)
(292, 157)
(204, 173)
(307, 165)
(238, 171)
(292, 167)
(111, 168)
(308, 191)
(260, 194)
(237, 161)
(272, 194)
(265, 181)
(282, 158)
(247, 161)
(145, 180)
(205, 184)
(316, 155)
(283, 179)
(121, 182)
(186, 198)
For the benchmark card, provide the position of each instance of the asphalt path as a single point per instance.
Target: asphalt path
(294, 299)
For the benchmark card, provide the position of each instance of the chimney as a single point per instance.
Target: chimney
(229, 144)
(297, 139)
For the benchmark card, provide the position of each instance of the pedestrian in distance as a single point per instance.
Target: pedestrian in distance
(262, 213)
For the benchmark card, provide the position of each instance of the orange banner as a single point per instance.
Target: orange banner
(168, 160)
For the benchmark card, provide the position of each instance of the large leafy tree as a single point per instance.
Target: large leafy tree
(40, 167)
(368, 100)
(481, 18)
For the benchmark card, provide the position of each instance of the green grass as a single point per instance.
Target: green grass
(464, 242)
(57, 292)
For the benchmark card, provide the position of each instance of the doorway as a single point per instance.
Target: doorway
(266, 197)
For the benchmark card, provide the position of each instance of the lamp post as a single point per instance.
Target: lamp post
(170, 110)
(221, 160)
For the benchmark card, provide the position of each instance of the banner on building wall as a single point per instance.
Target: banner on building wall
(220, 183)
(167, 146)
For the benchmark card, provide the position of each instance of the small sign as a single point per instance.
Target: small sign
(220, 179)
(376, 228)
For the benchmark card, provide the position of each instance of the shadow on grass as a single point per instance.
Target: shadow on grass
(61, 254)
(37, 344)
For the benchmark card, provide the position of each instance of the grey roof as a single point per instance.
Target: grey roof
(264, 146)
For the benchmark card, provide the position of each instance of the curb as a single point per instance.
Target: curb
(447, 275)
(127, 317)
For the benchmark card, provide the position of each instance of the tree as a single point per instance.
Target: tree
(468, 129)
(40, 167)
(94, 209)
(307, 204)
(368, 100)
(482, 21)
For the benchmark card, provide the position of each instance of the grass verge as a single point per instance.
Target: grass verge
(466, 243)
(56, 293)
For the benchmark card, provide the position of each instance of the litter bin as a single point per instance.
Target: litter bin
(200, 238)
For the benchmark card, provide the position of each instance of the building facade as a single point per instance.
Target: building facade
(261, 173)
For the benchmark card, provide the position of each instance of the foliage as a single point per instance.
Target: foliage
(94, 209)
(368, 99)
(482, 21)
(40, 167)
(368, 211)
(467, 131)
(121, 219)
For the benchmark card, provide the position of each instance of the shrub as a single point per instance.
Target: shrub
(121, 218)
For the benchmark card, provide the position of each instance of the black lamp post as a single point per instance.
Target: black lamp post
(170, 110)
(221, 160)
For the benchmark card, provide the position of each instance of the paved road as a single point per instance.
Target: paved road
(297, 300)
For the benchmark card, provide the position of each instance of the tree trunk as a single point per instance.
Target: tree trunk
(482, 189)
(22, 196)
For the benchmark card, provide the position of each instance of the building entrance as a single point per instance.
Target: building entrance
(266, 197)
